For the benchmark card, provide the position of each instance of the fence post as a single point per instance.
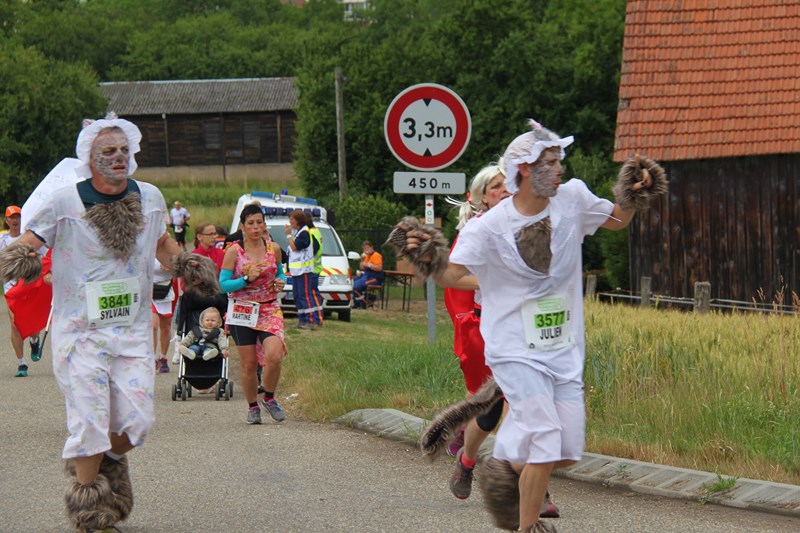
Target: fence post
(645, 291)
(702, 296)
(591, 286)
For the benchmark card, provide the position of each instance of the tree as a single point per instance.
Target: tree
(42, 103)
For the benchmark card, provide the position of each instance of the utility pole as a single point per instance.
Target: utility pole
(340, 133)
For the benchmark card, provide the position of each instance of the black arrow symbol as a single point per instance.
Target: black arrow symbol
(427, 153)
(427, 101)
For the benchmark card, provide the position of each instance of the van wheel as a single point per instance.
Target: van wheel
(344, 316)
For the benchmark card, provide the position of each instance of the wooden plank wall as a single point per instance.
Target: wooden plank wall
(270, 139)
(732, 222)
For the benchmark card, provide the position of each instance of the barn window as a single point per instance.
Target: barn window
(212, 133)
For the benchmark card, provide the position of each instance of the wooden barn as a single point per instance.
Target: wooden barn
(711, 89)
(209, 122)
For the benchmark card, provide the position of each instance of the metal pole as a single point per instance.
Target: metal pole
(339, 81)
(431, 285)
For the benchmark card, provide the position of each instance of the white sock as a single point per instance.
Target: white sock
(21, 361)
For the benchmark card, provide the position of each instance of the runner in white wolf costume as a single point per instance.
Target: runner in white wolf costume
(105, 232)
(526, 254)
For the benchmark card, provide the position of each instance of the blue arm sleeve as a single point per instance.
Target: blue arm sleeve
(229, 285)
(281, 274)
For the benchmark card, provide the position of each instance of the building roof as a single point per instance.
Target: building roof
(132, 98)
(709, 78)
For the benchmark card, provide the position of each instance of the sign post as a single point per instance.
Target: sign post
(427, 127)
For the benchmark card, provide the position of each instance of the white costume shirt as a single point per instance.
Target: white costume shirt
(178, 216)
(488, 249)
(79, 258)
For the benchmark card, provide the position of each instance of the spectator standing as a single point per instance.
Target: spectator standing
(316, 304)
(179, 217)
(301, 266)
(371, 267)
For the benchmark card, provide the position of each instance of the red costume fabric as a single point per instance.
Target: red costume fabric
(30, 302)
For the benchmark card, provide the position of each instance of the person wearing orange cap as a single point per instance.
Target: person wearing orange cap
(12, 224)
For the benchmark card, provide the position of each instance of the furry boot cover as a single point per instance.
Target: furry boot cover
(444, 426)
(119, 478)
(435, 247)
(118, 224)
(87, 505)
(197, 271)
(629, 192)
(540, 527)
(533, 244)
(20, 261)
(500, 487)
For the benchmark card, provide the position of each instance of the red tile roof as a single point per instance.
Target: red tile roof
(709, 78)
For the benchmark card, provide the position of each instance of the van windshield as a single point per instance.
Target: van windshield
(330, 244)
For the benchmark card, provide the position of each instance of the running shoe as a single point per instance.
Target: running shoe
(22, 371)
(457, 444)
(163, 367)
(461, 479)
(274, 409)
(254, 415)
(549, 509)
(36, 349)
(176, 358)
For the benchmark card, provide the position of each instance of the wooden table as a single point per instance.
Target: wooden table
(404, 279)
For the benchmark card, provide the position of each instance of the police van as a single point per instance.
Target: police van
(336, 279)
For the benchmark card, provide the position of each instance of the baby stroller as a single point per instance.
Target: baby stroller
(197, 372)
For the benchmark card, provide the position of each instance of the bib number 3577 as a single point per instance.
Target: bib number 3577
(547, 322)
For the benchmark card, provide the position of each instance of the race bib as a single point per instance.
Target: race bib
(547, 322)
(178, 229)
(242, 313)
(112, 303)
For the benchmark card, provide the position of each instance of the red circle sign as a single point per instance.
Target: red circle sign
(427, 127)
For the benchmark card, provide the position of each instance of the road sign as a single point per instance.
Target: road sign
(427, 126)
(429, 182)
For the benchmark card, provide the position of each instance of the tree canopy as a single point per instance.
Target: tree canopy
(556, 61)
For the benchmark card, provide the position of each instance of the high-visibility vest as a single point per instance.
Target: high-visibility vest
(301, 261)
(315, 234)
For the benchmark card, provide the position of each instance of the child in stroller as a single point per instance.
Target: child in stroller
(201, 291)
(206, 340)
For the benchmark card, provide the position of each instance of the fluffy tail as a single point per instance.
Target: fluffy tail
(442, 429)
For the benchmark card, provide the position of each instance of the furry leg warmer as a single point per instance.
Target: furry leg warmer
(119, 478)
(87, 505)
(444, 426)
(500, 488)
(431, 256)
(630, 193)
(20, 261)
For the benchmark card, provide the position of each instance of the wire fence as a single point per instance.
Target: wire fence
(719, 304)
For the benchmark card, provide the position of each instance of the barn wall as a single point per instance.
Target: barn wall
(232, 139)
(733, 222)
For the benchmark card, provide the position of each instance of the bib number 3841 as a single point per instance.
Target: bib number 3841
(547, 322)
(112, 303)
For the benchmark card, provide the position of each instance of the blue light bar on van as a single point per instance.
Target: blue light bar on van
(284, 197)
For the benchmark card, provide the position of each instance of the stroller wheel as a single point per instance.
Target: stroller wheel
(183, 391)
(229, 391)
(188, 390)
(174, 392)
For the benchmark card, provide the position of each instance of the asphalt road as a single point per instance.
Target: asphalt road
(204, 470)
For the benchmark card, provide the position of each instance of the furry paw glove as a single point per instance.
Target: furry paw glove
(630, 193)
(20, 261)
(430, 257)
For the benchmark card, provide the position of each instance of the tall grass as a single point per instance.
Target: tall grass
(712, 392)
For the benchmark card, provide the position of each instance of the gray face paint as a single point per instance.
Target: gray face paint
(546, 174)
(110, 155)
